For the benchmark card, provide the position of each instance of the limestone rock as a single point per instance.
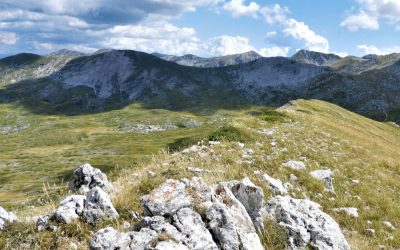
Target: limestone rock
(251, 197)
(389, 225)
(86, 177)
(174, 195)
(230, 223)
(295, 165)
(325, 175)
(6, 218)
(306, 224)
(275, 185)
(196, 235)
(350, 211)
(170, 245)
(98, 206)
(42, 222)
(70, 209)
(109, 238)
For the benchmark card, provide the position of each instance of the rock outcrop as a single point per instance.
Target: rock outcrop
(306, 224)
(93, 207)
(86, 177)
(98, 206)
(6, 218)
(189, 214)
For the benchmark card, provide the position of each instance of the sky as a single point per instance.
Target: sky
(202, 27)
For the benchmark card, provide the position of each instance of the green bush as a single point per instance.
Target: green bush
(228, 133)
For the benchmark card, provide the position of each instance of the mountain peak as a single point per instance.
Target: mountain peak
(66, 52)
(316, 58)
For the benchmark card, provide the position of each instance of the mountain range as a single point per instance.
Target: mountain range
(72, 82)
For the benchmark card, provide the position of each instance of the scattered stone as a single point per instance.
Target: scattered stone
(389, 225)
(142, 128)
(293, 177)
(70, 209)
(150, 174)
(213, 143)
(86, 177)
(355, 181)
(198, 171)
(306, 224)
(6, 218)
(295, 165)
(98, 206)
(350, 211)
(370, 232)
(275, 185)
(42, 222)
(325, 175)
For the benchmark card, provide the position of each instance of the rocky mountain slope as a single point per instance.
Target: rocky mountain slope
(316, 58)
(201, 62)
(72, 83)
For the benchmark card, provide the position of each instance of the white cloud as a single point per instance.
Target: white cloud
(8, 38)
(275, 13)
(301, 31)
(226, 45)
(371, 12)
(274, 51)
(292, 28)
(156, 37)
(360, 21)
(370, 49)
(238, 8)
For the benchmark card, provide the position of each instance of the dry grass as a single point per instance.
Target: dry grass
(318, 133)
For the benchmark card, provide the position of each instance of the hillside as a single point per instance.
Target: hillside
(71, 83)
(363, 155)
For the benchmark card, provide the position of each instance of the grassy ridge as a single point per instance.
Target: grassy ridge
(315, 132)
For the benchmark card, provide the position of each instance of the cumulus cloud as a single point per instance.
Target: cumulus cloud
(371, 12)
(275, 13)
(274, 51)
(370, 49)
(300, 31)
(8, 38)
(238, 8)
(291, 28)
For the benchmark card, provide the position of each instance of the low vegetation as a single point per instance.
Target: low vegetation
(364, 154)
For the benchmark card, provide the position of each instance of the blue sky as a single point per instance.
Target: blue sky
(202, 27)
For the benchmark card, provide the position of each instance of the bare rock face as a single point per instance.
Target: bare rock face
(229, 213)
(306, 224)
(252, 198)
(98, 206)
(190, 224)
(6, 218)
(86, 177)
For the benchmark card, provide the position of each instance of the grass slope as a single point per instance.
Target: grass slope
(315, 132)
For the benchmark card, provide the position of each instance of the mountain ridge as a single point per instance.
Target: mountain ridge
(367, 86)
